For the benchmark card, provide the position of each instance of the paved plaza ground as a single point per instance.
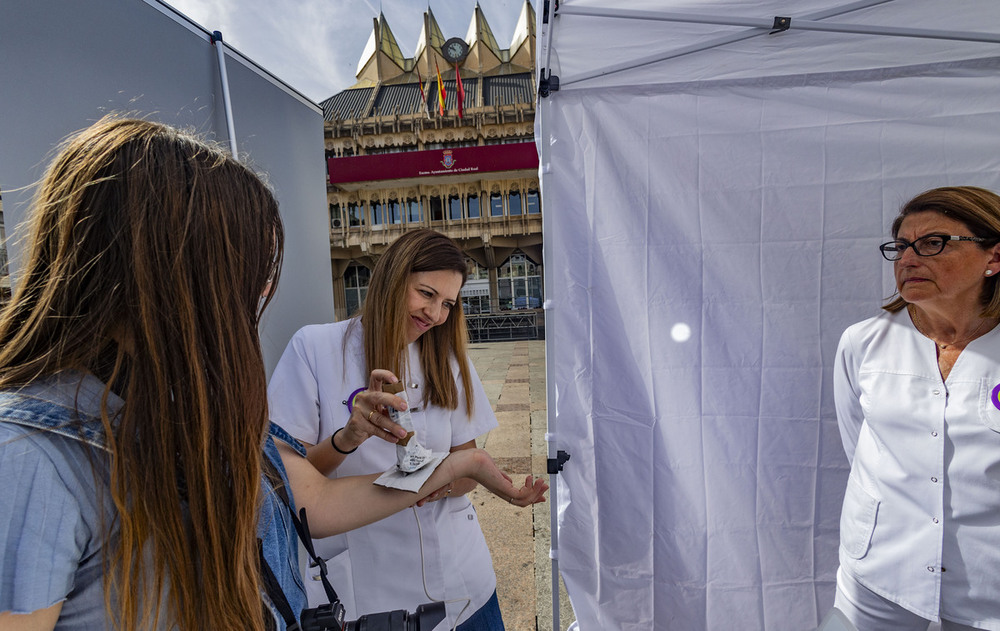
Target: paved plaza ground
(513, 374)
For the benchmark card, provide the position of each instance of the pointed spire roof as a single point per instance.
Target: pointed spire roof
(430, 34)
(383, 44)
(480, 31)
(525, 27)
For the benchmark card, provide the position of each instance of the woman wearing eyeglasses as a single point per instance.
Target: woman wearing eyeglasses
(917, 392)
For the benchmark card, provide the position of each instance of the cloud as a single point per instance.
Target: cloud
(314, 45)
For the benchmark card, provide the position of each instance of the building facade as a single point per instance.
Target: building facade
(400, 157)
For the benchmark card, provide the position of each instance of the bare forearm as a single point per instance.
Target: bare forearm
(338, 505)
(462, 486)
(324, 457)
(341, 504)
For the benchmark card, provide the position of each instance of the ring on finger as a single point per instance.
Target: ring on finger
(370, 415)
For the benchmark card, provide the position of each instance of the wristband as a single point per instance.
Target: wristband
(338, 449)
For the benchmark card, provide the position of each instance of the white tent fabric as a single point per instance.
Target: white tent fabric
(738, 194)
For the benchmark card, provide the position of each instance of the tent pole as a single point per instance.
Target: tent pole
(768, 23)
(542, 139)
(220, 53)
(758, 27)
(719, 41)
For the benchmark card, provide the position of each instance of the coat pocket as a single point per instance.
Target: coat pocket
(857, 520)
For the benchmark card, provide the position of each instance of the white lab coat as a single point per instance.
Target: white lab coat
(378, 567)
(920, 524)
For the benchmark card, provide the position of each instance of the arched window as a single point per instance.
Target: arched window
(355, 215)
(454, 207)
(496, 205)
(473, 203)
(413, 210)
(437, 210)
(533, 202)
(355, 286)
(393, 213)
(514, 203)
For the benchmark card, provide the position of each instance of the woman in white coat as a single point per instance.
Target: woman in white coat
(326, 392)
(916, 392)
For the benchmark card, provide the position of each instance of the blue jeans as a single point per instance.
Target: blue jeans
(488, 617)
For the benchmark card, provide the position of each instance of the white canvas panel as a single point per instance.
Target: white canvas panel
(707, 474)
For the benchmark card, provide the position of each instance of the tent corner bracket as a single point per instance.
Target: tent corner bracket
(555, 465)
(547, 83)
(781, 24)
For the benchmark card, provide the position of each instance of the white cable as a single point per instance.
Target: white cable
(423, 575)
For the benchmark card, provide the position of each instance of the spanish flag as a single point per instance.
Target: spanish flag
(441, 93)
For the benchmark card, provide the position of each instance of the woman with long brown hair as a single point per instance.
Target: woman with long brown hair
(139, 471)
(411, 332)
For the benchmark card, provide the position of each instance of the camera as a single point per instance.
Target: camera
(331, 618)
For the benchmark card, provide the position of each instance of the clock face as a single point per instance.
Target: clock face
(455, 49)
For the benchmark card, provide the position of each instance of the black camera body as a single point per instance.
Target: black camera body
(331, 618)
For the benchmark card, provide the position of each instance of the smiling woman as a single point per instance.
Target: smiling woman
(919, 530)
(409, 331)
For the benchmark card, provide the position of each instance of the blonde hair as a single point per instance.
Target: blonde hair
(149, 250)
(385, 317)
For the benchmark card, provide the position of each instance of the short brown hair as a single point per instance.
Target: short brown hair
(979, 210)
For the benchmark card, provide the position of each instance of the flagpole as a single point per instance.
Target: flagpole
(459, 90)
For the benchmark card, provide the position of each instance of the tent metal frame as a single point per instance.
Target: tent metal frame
(550, 83)
(757, 26)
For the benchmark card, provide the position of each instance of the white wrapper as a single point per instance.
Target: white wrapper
(396, 479)
(412, 456)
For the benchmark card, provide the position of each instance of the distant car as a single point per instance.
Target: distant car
(527, 302)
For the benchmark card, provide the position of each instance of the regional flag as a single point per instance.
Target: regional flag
(423, 94)
(459, 90)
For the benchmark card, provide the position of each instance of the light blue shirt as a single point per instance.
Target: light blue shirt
(55, 504)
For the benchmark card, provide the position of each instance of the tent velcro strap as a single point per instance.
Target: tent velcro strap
(781, 24)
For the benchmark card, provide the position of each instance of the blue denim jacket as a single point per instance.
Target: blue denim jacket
(68, 404)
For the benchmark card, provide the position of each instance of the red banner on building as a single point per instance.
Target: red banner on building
(461, 160)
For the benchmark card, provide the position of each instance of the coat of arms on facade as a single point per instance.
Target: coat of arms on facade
(449, 160)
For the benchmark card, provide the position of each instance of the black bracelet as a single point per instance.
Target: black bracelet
(338, 449)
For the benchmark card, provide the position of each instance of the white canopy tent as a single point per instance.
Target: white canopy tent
(714, 196)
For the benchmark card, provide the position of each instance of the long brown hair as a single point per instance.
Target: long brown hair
(385, 317)
(979, 210)
(148, 253)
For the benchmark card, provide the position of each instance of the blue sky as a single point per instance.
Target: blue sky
(314, 45)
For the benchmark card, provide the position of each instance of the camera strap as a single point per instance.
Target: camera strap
(301, 523)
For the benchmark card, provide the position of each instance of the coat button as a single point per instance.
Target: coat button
(936, 392)
(933, 479)
(933, 433)
(935, 520)
(930, 569)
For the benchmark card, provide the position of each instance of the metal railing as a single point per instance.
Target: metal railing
(506, 326)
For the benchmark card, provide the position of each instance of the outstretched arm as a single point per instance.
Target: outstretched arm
(341, 504)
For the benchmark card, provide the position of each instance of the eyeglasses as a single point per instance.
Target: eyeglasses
(927, 245)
